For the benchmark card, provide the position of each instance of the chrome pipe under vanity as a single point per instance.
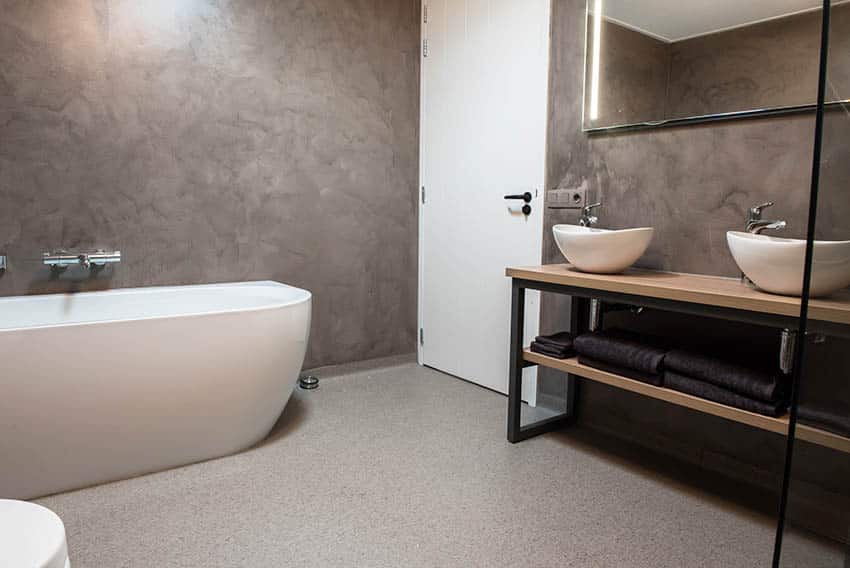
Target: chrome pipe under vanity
(62, 259)
(3, 261)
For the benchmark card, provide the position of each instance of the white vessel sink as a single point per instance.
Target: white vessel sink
(776, 265)
(600, 250)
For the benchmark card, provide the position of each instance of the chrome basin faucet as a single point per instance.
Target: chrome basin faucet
(588, 220)
(756, 225)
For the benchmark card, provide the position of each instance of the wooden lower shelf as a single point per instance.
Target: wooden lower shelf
(776, 425)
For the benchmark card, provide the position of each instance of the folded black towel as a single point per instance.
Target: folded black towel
(833, 421)
(623, 349)
(714, 393)
(549, 351)
(744, 380)
(653, 379)
(562, 339)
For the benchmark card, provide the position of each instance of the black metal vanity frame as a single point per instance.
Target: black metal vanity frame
(579, 323)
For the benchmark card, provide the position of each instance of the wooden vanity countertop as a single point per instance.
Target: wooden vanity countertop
(693, 288)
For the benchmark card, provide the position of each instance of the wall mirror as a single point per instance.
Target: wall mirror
(665, 62)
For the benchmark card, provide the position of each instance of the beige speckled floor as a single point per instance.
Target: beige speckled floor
(405, 466)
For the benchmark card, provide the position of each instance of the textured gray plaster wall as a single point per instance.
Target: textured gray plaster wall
(219, 140)
(692, 184)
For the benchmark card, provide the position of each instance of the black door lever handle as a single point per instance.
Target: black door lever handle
(524, 196)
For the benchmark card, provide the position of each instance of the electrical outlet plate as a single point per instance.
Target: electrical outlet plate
(566, 198)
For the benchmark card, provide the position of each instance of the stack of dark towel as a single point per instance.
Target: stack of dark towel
(623, 353)
(835, 418)
(558, 345)
(651, 360)
(728, 383)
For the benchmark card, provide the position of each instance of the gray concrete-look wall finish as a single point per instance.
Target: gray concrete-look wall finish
(220, 140)
(692, 184)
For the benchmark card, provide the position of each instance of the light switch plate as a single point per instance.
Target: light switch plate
(566, 198)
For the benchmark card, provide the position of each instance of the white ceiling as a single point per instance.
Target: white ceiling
(675, 20)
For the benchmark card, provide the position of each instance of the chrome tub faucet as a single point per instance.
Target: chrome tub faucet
(61, 259)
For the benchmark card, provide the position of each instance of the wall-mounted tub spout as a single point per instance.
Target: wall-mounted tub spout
(59, 260)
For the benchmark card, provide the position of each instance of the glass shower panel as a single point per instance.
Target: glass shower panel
(816, 530)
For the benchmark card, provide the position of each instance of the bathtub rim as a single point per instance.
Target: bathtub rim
(304, 297)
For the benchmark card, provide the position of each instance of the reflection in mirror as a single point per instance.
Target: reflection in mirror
(653, 61)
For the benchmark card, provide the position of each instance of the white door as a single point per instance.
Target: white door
(485, 66)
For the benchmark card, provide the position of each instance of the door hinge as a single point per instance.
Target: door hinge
(425, 13)
(423, 194)
(421, 336)
(425, 47)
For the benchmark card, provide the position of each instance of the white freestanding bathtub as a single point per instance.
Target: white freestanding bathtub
(101, 386)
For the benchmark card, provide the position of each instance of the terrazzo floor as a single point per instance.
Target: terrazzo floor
(401, 465)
